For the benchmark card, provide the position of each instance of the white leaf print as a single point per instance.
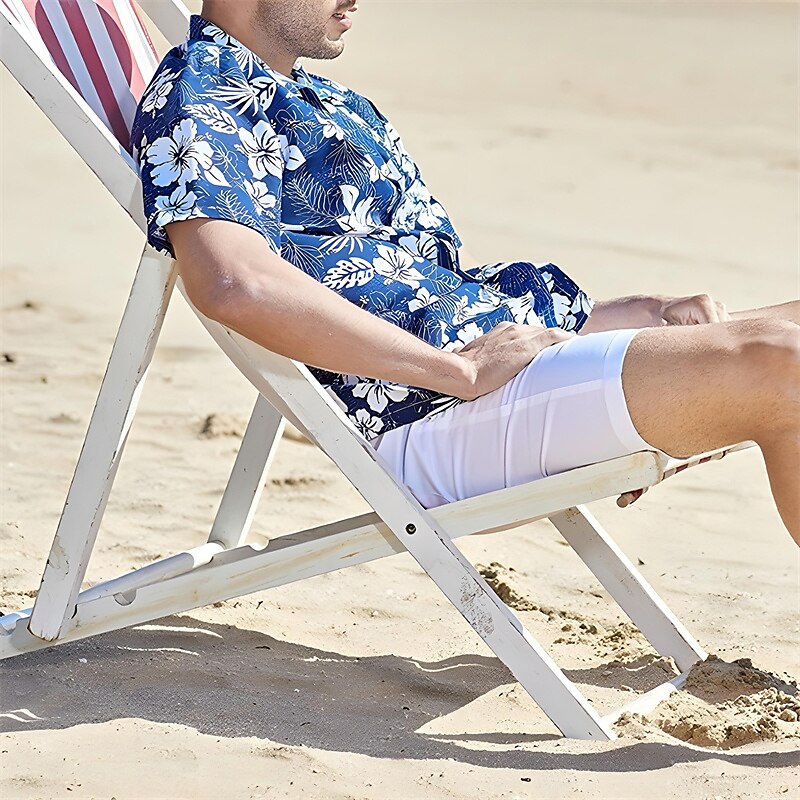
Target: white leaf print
(265, 88)
(216, 177)
(522, 309)
(349, 195)
(360, 219)
(238, 94)
(216, 118)
(347, 274)
(561, 304)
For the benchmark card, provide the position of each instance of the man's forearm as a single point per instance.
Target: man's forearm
(278, 306)
(638, 311)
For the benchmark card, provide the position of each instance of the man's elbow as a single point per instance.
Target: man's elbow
(214, 288)
(218, 297)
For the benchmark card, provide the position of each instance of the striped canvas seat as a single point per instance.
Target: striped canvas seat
(100, 46)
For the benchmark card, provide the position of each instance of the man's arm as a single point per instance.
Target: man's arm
(232, 276)
(653, 311)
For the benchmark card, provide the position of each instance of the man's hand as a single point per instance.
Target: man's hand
(699, 309)
(232, 276)
(653, 311)
(496, 357)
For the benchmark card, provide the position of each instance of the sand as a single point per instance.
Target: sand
(641, 146)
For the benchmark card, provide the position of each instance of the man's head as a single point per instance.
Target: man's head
(284, 30)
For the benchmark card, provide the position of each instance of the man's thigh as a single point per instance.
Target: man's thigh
(566, 409)
(694, 388)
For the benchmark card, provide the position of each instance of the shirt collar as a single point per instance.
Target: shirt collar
(203, 30)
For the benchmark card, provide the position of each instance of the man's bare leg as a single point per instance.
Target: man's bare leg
(695, 388)
(788, 311)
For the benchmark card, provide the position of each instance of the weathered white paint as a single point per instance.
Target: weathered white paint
(105, 440)
(238, 505)
(647, 701)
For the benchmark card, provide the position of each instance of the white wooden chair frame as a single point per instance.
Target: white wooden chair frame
(226, 566)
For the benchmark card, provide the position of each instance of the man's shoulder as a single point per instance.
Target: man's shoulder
(193, 72)
(195, 63)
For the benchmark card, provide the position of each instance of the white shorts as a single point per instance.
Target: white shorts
(564, 410)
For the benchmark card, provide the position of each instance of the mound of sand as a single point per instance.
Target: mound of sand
(721, 705)
(725, 705)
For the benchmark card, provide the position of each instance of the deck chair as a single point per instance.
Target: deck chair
(85, 63)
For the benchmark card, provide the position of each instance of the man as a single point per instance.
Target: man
(299, 220)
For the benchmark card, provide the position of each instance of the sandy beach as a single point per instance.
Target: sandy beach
(643, 147)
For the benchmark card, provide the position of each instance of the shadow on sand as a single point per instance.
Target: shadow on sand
(226, 681)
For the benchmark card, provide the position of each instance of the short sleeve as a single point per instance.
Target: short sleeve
(202, 155)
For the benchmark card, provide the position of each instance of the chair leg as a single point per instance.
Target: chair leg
(422, 536)
(240, 500)
(102, 448)
(627, 586)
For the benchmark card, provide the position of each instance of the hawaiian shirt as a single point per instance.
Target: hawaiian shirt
(323, 176)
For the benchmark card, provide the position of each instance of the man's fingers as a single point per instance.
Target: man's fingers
(722, 311)
(707, 309)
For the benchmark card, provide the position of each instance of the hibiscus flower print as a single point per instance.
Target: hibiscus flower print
(421, 243)
(178, 158)
(179, 205)
(323, 176)
(156, 96)
(522, 309)
(263, 150)
(379, 393)
(328, 128)
(488, 300)
(367, 425)
(263, 200)
(422, 299)
(469, 332)
(395, 264)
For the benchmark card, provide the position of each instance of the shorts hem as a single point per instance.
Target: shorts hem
(616, 404)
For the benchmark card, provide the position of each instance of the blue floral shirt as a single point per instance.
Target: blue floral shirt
(323, 176)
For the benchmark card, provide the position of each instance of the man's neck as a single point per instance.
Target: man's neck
(241, 28)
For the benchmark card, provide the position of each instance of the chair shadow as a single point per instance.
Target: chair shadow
(232, 682)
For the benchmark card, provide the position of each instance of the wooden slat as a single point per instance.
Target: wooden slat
(105, 440)
(171, 17)
(627, 586)
(246, 483)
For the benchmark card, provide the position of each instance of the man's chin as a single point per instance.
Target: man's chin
(332, 48)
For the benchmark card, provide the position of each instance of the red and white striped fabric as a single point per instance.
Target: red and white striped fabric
(100, 46)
